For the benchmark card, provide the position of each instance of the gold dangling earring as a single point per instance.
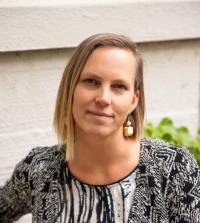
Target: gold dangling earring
(128, 128)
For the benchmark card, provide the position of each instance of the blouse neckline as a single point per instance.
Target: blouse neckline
(133, 171)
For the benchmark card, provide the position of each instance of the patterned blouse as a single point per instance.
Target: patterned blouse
(165, 187)
(99, 203)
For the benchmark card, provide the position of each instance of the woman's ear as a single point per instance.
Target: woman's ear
(135, 101)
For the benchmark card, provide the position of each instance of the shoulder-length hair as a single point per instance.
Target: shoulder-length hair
(63, 118)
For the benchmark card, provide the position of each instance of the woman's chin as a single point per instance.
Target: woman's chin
(97, 131)
(100, 133)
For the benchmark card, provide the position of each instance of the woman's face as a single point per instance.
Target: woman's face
(104, 94)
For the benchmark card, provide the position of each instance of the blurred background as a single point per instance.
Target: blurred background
(37, 38)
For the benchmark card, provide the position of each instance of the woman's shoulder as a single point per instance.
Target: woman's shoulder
(157, 144)
(166, 153)
(160, 146)
(46, 153)
(40, 159)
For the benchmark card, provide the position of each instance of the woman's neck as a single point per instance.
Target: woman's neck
(102, 149)
(105, 160)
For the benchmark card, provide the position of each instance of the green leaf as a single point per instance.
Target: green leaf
(180, 136)
(198, 135)
(166, 121)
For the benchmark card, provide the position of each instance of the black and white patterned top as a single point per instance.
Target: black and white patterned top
(165, 188)
(103, 203)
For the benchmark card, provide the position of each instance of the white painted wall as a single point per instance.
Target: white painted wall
(28, 85)
(45, 24)
(172, 81)
(29, 78)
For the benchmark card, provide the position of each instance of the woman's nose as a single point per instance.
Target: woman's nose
(103, 97)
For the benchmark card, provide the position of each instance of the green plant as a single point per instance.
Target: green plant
(180, 136)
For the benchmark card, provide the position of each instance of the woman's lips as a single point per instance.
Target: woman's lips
(100, 114)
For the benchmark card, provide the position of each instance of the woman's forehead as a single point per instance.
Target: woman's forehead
(110, 60)
(111, 51)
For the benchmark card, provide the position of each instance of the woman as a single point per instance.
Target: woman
(102, 170)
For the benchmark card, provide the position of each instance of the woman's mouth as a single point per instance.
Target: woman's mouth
(100, 115)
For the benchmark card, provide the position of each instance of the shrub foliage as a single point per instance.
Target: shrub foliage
(179, 136)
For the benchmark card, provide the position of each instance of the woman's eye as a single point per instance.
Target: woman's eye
(90, 81)
(120, 87)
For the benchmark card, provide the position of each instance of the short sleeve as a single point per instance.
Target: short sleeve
(183, 194)
(15, 195)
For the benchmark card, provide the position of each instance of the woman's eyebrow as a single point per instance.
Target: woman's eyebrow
(91, 75)
(96, 76)
(120, 80)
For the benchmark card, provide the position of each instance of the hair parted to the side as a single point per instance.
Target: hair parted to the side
(63, 118)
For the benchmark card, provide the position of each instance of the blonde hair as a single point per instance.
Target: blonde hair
(63, 118)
